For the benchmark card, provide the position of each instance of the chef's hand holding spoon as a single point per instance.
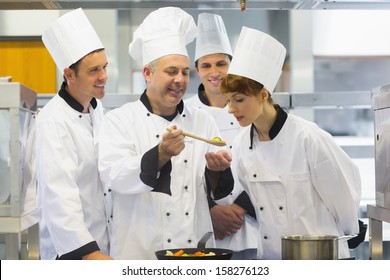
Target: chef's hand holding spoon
(172, 144)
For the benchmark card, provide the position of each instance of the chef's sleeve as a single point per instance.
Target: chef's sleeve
(160, 181)
(219, 183)
(79, 253)
(245, 203)
(337, 180)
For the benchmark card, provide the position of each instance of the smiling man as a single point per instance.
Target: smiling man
(71, 198)
(157, 178)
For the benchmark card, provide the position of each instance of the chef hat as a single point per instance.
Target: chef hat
(259, 57)
(163, 32)
(70, 38)
(212, 37)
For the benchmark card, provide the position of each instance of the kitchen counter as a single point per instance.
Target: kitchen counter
(376, 216)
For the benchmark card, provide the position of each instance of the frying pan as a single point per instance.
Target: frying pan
(220, 254)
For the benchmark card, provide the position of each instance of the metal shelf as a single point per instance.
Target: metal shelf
(196, 4)
(18, 213)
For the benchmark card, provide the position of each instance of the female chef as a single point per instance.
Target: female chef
(299, 180)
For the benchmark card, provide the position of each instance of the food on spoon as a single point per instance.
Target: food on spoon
(217, 139)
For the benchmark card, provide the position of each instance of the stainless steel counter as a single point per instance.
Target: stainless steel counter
(376, 216)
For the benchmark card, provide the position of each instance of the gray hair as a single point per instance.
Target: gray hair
(153, 65)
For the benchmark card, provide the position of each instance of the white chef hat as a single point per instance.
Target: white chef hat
(70, 38)
(163, 32)
(212, 37)
(259, 57)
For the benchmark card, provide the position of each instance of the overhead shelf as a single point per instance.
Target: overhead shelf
(353, 99)
(195, 4)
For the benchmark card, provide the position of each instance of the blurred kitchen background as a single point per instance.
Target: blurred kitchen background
(337, 52)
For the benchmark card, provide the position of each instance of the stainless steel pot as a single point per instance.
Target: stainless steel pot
(310, 247)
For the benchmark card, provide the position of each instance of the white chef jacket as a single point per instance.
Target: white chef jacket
(246, 236)
(300, 182)
(70, 191)
(142, 221)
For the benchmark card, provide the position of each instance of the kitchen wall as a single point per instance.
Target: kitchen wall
(104, 21)
(344, 36)
(11, 24)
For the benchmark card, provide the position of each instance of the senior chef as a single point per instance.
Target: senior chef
(73, 224)
(157, 178)
(233, 217)
(299, 180)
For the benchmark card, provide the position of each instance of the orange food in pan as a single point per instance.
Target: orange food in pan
(181, 253)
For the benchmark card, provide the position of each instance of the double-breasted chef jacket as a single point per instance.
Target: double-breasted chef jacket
(301, 182)
(71, 195)
(246, 236)
(155, 210)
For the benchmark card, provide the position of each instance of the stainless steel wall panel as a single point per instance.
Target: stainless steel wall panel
(331, 99)
(382, 144)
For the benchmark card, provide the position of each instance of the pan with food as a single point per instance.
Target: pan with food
(198, 253)
(194, 254)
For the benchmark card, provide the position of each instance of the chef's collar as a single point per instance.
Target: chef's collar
(202, 95)
(281, 117)
(73, 102)
(145, 100)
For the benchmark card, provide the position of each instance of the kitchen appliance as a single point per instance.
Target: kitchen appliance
(380, 103)
(310, 247)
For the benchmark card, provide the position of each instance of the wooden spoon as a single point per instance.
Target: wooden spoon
(210, 141)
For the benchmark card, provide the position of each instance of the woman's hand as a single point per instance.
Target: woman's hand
(218, 161)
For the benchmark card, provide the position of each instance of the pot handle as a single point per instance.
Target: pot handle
(346, 237)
